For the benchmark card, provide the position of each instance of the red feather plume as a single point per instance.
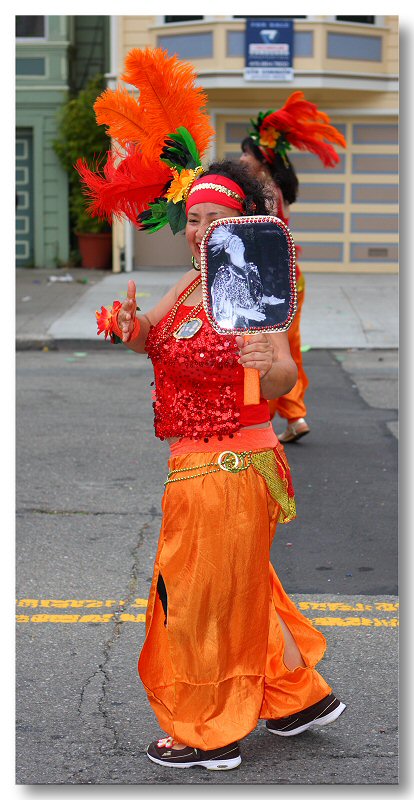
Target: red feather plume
(306, 128)
(124, 188)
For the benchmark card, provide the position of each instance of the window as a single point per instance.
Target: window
(181, 19)
(362, 20)
(268, 16)
(30, 27)
(188, 45)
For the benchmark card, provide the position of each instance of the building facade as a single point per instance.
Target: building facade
(55, 56)
(346, 218)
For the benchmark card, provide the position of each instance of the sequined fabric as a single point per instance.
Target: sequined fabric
(233, 288)
(198, 383)
(245, 285)
(278, 481)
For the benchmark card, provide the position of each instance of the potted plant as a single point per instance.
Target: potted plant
(80, 137)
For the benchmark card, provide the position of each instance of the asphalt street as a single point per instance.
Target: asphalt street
(89, 487)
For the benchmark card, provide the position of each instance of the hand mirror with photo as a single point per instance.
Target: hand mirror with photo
(249, 278)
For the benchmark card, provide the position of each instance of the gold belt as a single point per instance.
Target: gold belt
(263, 462)
(228, 461)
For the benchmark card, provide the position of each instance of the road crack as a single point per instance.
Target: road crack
(101, 674)
(68, 512)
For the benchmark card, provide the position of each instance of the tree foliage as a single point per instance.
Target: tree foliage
(79, 136)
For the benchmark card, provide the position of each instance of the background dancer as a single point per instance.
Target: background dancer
(264, 154)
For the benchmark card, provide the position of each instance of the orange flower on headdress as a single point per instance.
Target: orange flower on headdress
(105, 320)
(269, 137)
(179, 184)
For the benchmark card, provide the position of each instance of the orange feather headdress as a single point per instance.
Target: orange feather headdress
(165, 133)
(298, 123)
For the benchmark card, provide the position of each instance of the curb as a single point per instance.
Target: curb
(42, 343)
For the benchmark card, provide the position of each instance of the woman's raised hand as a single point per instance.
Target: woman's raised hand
(126, 314)
(236, 250)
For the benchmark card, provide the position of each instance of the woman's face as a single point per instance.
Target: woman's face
(257, 169)
(199, 218)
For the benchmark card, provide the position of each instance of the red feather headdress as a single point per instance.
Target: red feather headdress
(300, 124)
(165, 132)
(125, 186)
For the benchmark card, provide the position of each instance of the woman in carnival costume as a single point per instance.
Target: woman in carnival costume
(264, 153)
(224, 646)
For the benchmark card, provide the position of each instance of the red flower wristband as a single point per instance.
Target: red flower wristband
(107, 321)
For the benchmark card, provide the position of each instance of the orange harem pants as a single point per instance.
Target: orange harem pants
(214, 665)
(292, 405)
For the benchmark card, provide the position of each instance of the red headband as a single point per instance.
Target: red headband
(216, 189)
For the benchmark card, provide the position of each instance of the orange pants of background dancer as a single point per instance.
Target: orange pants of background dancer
(214, 665)
(292, 405)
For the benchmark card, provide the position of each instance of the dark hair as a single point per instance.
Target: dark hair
(282, 173)
(256, 200)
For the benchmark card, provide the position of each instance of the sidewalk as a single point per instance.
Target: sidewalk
(341, 311)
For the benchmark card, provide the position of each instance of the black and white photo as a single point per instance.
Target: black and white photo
(249, 274)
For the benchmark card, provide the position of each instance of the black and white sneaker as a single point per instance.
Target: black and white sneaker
(162, 752)
(322, 713)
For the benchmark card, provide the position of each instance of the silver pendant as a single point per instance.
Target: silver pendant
(188, 329)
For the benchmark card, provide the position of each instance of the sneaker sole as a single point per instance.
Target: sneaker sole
(231, 763)
(318, 722)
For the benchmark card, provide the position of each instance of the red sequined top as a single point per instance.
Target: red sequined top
(198, 382)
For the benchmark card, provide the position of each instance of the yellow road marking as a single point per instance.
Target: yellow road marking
(380, 606)
(71, 618)
(356, 622)
(28, 602)
(360, 621)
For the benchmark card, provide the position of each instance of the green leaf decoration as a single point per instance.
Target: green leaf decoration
(172, 164)
(155, 217)
(159, 209)
(176, 216)
(191, 145)
(282, 146)
(150, 228)
(180, 150)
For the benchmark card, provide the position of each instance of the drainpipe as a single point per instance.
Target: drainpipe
(113, 48)
(122, 232)
(129, 246)
(122, 261)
